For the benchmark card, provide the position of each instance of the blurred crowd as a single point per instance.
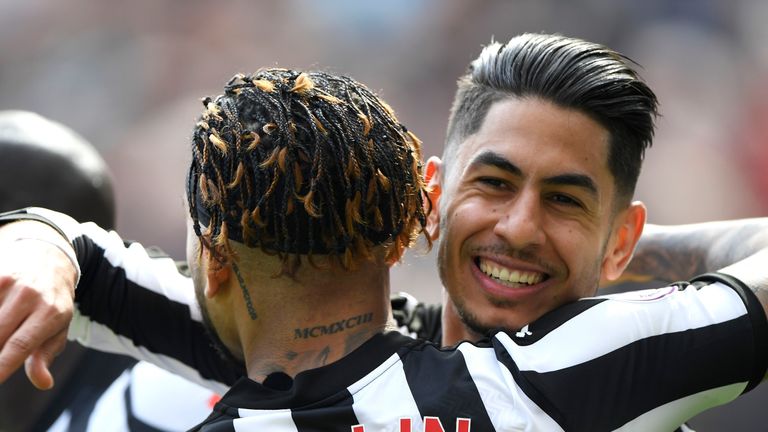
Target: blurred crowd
(128, 75)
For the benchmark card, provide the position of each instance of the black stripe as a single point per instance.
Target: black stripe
(442, 387)
(533, 393)
(134, 423)
(757, 318)
(331, 417)
(148, 319)
(611, 390)
(81, 390)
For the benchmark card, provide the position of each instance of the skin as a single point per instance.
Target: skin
(529, 192)
(36, 306)
(39, 306)
(197, 259)
(331, 313)
(522, 220)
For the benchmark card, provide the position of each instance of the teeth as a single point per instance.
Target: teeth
(508, 276)
(504, 274)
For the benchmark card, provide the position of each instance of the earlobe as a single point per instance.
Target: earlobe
(217, 274)
(433, 178)
(625, 236)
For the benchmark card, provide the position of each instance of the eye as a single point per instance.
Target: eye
(493, 182)
(566, 200)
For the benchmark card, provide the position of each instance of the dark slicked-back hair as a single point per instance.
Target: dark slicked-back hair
(570, 73)
(303, 163)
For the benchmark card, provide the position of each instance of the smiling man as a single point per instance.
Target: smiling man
(562, 216)
(534, 191)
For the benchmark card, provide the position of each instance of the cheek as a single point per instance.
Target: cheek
(472, 215)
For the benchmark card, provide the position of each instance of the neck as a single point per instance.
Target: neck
(310, 320)
(454, 329)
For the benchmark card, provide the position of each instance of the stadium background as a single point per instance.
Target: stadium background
(128, 77)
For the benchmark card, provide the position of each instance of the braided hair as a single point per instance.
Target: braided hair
(303, 163)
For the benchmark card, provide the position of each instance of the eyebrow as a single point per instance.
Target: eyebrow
(578, 180)
(496, 160)
(568, 179)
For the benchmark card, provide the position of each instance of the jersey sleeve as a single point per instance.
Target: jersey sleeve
(129, 302)
(646, 360)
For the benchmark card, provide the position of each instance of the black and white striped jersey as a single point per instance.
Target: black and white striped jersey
(643, 361)
(630, 362)
(129, 301)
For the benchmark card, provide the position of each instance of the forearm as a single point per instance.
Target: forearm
(679, 252)
(753, 271)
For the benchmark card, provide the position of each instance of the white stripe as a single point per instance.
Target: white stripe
(165, 400)
(109, 412)
(675, 413)
(507, 405)
(264, 420)
(98, 335)
(158, 275)
(62, 423)
(381, 398)
(615, 323)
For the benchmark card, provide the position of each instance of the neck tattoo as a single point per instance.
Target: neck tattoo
(246, 294)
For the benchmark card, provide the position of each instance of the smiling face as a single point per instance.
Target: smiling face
(526, 214)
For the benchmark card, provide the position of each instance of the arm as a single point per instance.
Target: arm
(679, 252)
(131, 303)
(736, 247)
(753, 271)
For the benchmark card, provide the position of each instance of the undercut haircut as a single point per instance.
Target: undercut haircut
(302, 164)
(571, 73)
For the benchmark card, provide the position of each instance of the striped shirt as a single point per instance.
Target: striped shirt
(645, 361)
(630, 362)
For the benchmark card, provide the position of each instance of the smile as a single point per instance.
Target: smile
(509, 277)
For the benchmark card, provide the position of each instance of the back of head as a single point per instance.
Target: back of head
(304, 163)
(570, 73)
(46, 164)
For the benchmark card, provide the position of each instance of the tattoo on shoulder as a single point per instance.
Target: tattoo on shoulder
(332, 328)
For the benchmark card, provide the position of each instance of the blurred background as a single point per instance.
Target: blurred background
(129, 76)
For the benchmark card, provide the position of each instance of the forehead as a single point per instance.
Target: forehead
(541, 138)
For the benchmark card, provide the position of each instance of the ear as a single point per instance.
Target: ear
(433, 175)
(217, 273)
(628, 227)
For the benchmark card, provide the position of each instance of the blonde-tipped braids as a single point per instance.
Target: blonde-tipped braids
(304, 163)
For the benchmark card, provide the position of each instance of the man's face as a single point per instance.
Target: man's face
(525, 214)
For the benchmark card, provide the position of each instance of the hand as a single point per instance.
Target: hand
(36, 300)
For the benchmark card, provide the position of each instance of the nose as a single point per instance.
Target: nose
(520, 222)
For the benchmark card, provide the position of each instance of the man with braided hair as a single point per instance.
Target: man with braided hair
(285, 312)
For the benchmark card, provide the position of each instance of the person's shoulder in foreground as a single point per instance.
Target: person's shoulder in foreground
(603, 363)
